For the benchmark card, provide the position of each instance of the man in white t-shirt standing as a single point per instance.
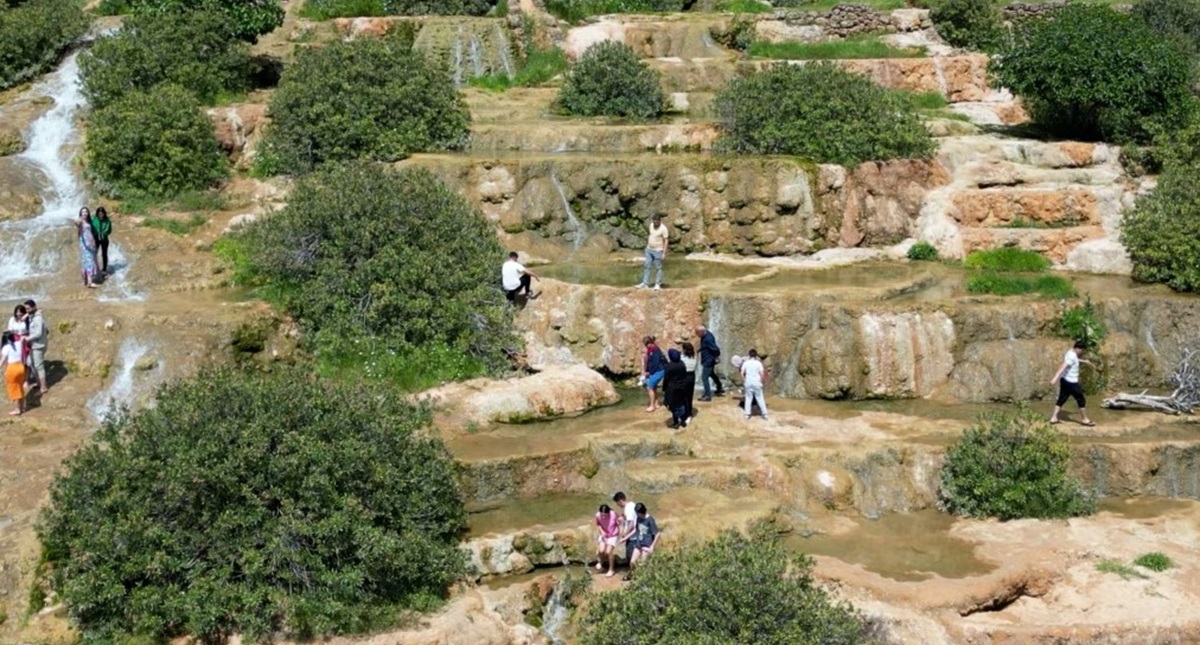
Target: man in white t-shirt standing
(754, 377)
(628, 524)
(1067, 379)
(515, 278)
(656, 249)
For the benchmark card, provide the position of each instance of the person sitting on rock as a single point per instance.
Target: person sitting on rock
(516, 278)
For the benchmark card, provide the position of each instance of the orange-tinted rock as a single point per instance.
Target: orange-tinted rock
(238, 128)
(1000, 207)
(1053, 243)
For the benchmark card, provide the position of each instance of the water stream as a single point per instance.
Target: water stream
(123, 388)
(577, 227)
(556, 613)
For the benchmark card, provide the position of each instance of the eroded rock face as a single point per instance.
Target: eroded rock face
(20, 189)
(558, 390)
(238, 128)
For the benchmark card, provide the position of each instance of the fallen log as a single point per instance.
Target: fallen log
(1184, 400)
(1124, 401)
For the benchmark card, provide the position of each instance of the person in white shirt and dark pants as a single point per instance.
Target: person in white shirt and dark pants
(1067, 379)
(516, 278)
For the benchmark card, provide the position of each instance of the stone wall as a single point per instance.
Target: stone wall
(845, 20)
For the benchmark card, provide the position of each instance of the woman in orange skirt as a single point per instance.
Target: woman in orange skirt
(13, 365)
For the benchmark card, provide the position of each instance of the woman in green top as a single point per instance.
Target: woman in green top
(102, 226)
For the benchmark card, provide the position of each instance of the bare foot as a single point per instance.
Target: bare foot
(609, 574)
(91, 286)
(14, 413)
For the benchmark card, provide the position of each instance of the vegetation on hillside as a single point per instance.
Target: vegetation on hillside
(862, 47)
(1007, 258)
(254, 504)
(326, 9)
(391, 271)
(577, 10)
(922, 251)
(244, 19)
(33, 34)
(1178, 20)
(1162, 232)
(820, 112)
(970, 24)
(733, 589)
(611, 80)
(346, 101)
(1091, 72)
(1009, 467)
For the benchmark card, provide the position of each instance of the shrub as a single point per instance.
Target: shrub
(1094, 73)
(610, 80)
(1154, 561)
(1007, 258)
(156, 143)
(1084, 323)
(346, 101)
(970, 24)
(365, 251)
(1002, 284)
(733, 589)
(326, 9)
(1162, 231)
(254, 503)
(244, 19)
(576, 10)
(192, 50)
(738, 34)
(1011, 466)
(819, 112)
(1178, 20)
(33, 35)
(922, 251)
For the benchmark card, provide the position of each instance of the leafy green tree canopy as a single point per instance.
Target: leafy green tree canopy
(971, 24)
(244, 19)
(1162, 232)
(1091, 72)
(156, 143)
(370, 98)
(820, 112)
(735, 589)
(254, 503)
(34, 33)
(610, 80)
(191, 49)
(1176, 19)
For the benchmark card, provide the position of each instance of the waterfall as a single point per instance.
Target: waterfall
(476, 48)
(576, 226)
(502, 45)
(556, 613)
(122, 389)
(116, 286)
(457, 56)
(24, 255)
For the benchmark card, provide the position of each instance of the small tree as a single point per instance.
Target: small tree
(350, 100)
(244, 19)
(1011, 467)
(156, 143)
(610, 80)
(256, 504)
(820, 112)
(1091, 72)
(1162, 231)
(33, 34)
(193, 50)
(971, 24)
(734, 589)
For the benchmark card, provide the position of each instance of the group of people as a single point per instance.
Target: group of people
(632, 525)
(676, 372)
(93, 232)
(23, 354)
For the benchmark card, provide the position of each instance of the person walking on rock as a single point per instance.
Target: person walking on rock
(689, 362)
(102, 226)
(516, 278)
(1067, 378)
(12, 365)
(609, 524)
(654, 366)
(628, 524)
(87, 247)
(710, 353)
(38, 340)
(754, 377)
(656, 249)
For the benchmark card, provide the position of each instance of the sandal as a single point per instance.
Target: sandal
(1088, 423)
(1054, 422)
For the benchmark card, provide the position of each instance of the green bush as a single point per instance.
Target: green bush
(256, 504)
(1009, 467)
(970, 24)
(733, 589)
(1092, 72)
(819, 112)
(1007, 258)
(1003, 284)
(192, 50)
(1178, 20)
(405, 261)
(860, 47)
(610, 80)
(922, 251)
(113, 7)
(34, 34)
(156, 144)
(244, 19)
(1083, 323)
(1162, 231)
(346, 101)
(737, 34)
(326, 9)
(576, 10)
(1154, 561)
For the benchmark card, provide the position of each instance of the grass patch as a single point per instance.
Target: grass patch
(188, 202)
(1021, 222)
(539, 67)
(1125, 571)
(926, 100)
(826, 5)
(834, 50)
(342, 9)
(743, 6)
(1007, 258)
(176, 226)
(1154, 561)
(410, 370)
(922, 251)
(1001, 284)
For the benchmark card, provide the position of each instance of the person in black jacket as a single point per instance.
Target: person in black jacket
(675, 384)
(710, 353)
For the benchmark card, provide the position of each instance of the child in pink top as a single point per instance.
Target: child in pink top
(609, 525)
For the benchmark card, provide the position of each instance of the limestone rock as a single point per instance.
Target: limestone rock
(11, 141)
(556, 391)
(20, 190)
(238, 129)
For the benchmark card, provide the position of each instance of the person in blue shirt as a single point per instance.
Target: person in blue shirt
(645, 538)
(654, 366)
(710, 353)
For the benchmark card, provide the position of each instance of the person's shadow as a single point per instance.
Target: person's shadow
(56, 371)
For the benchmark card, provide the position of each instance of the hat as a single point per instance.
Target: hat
(674, 355)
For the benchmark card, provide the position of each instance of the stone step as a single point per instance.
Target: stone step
(670, 473)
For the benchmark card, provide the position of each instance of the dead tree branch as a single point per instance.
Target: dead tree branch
(1185, 380)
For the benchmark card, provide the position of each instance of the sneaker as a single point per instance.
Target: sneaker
(746, 416)
(705, 399)
(641, 285)
(657, 287)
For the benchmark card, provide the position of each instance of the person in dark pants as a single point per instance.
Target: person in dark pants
(675, 384)
(1067, 379)
(516, 278)
(710, 353)
(102, 226)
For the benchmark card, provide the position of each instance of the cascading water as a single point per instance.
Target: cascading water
(578, 229)
(121, 391)
(556, 614)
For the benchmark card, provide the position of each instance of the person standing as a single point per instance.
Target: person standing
(656, 249)
(609, 525)
(628, 524)
(710, 353)
(12, 365)
(754, 377)
(39, 338)
(689, 362)
(654, 366)
(516, 278)
(102, 226)
(1067, 378)
(675, 380)
(87, 247)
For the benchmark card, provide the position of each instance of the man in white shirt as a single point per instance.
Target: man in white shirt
(628, 524)
(754, 377)
(656, 249)
(515, 278)
(1067, 379)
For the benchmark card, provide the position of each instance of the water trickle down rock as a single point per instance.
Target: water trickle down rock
(469, 47)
